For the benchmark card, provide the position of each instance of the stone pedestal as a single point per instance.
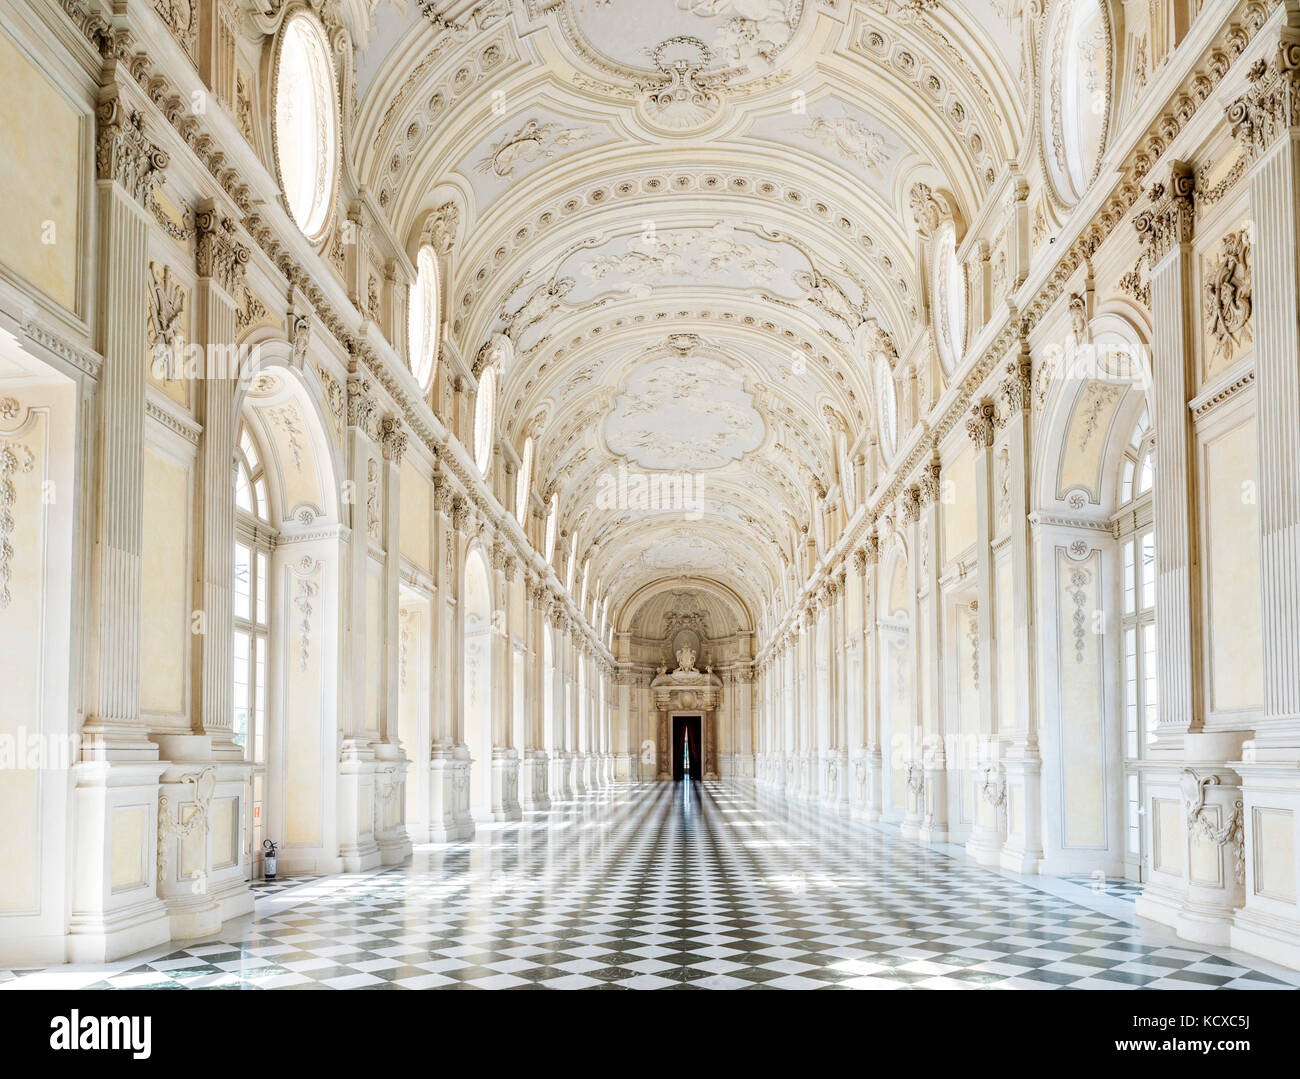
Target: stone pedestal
(505, 785)
(1023, 850)
(357, 846)
(534, 782)
(115, 906)
(445, 823)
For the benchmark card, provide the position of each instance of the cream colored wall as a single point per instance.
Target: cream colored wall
(959, 513)
(164, 594)
(1082, 702)
(40, 142)
(1232, 571)
(22, 715)
(415, 500)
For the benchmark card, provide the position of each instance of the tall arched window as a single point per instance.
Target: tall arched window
(484, 417)
(306, 123)
(251, 599)
(573, 558)
(552, 516)
(1134, 527)
(524, 482)
(422, 319)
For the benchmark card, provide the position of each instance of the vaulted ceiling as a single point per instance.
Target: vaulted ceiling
(690, 218)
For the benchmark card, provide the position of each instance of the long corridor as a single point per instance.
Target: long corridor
(682, 885)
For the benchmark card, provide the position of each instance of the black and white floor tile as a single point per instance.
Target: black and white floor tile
(680, 886)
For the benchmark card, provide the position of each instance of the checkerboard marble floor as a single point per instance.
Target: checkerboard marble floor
(681, 886)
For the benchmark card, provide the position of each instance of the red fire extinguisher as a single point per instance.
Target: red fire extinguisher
(268, 859)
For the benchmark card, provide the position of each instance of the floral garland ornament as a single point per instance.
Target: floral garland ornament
(1193, 789)
(170, 828)
(15, 458)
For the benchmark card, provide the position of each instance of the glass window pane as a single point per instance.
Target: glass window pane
(1148, 571)
(240, 679)
(243, 493)
(1129, 583)
(243, 583)
(259, 702)
(261, 588)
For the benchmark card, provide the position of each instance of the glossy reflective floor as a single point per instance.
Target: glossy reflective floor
(683, 886)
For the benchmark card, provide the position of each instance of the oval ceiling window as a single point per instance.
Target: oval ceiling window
(948, 294)
(1076, 96)
(422, 318)
(887, 405)
(484, 416)
(306, 123)
(524, 482)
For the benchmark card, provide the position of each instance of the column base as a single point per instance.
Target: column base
(447, 785)
(561, 777)
(534, 788)
(115, 906)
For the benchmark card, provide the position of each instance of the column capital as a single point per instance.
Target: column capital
(124, 152)
(1169, 220)
(1016, 387)
(979, 425)
(930, 481)
(393, 437)
(217, 253)
(1271, 104)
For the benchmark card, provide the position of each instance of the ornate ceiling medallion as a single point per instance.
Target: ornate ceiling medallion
(699, 52)
(684, 412)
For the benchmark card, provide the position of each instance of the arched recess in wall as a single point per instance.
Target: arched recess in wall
(287, 597)
(1093, 394)
(897, 716)
(478, 622)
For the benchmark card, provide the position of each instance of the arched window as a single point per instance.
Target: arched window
(306, 123)
(251, 599)
(573, 558)
(887, 407)
(250, 479)
(1137, 621)
(524, 483)
(552, 515)
(422, 319)
(484, 417)
(948, 296)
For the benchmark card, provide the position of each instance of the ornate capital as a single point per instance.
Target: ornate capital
(979, 425)
(929, 485)
(459, 513)
(1271, 104)
(361, 405)
(1016, 387)
(1170, 219)
(911, 504)
(393, 437)
(217, 254)
(124, 153)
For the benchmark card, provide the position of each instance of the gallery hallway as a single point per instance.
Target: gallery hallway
(682, 885)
